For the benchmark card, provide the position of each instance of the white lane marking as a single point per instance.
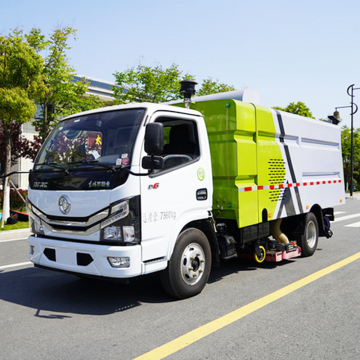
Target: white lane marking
(347, 217)
(15, 265)
(356, 225)
(339, 212)
(4, 241)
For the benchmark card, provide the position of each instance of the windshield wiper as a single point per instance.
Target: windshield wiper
(95, 163)
(54, 166)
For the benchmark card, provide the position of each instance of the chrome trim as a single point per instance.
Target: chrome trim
(46, 222)
(97, 217)
(72, 232)
(92, 220)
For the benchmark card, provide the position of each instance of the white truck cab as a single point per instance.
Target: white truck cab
(90, 214)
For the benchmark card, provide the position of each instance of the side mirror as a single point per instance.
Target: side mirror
(154, 138)
(154, 145)
(152, 162)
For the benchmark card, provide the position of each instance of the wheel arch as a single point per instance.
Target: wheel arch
(206, 226)
(294, 226)
(318, 212)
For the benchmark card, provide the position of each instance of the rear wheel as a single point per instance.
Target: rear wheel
(189, 267)
(309, 240)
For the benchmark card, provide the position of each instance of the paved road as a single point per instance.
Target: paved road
(245, 312)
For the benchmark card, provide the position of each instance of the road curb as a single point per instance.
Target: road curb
(356, 196)
(14, 234)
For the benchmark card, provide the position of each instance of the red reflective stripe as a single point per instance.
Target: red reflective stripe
(282, 186)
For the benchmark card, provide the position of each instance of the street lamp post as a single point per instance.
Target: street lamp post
(350, 91)
(336, 118)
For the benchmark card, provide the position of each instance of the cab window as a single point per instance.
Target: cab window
(181, 144)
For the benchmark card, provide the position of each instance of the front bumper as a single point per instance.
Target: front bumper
(90, 259)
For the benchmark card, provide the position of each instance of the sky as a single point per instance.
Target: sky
(287, 50)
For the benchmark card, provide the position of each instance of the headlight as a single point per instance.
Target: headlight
(112, 233)
(118, 212)
(123, 224)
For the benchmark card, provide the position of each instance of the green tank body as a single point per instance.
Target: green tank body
(244, 155)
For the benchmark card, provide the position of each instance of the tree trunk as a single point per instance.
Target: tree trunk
(6, 199)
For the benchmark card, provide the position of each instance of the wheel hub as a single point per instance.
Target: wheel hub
(193, 264)
(311, 234)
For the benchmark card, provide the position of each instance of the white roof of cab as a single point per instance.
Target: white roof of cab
(150, 107)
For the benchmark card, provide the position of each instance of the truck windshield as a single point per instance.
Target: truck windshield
(100, 139)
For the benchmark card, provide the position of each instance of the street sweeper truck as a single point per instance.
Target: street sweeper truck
(129, 190)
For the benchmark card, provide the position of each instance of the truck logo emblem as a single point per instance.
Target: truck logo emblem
(201, 174)
(155, 186)
(64, 204)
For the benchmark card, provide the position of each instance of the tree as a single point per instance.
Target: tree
(156, 85)
(346, 154)
(20, 146)
(63, 95)
(299, 108)
(151, 84)
(209, 86)
(20, 83)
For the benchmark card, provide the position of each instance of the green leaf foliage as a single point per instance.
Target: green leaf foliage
(63, 95)
(298, 108)
(210, 86)
(148, 84)
(21, 81)
(156, 84)
(20, 78)
(15, 105)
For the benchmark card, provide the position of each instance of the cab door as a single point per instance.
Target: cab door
(181, 192)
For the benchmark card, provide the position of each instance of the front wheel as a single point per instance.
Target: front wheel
(309, 240)
(189, 267)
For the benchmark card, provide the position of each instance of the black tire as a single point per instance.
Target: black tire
(309, 240)
(189, 267)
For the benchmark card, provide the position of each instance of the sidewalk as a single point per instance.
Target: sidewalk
(356, 196)
(14, 234)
